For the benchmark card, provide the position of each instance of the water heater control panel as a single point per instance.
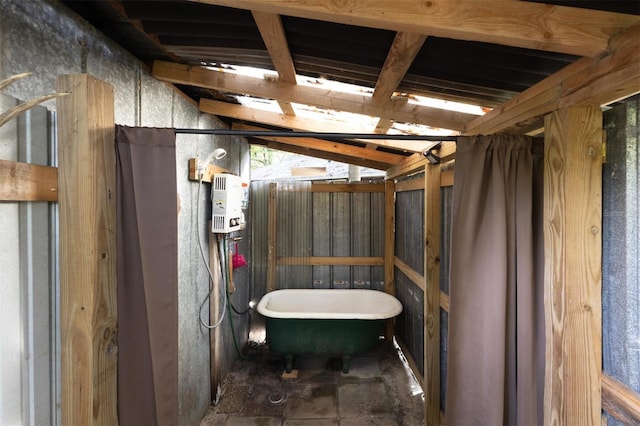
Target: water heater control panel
(226, 203)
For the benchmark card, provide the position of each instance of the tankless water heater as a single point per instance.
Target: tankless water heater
(226, 203)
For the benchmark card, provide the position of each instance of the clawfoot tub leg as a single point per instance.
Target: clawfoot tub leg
(345, 363)
(288, 363)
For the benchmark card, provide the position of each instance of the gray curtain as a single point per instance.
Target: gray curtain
(147, 268)
(496, 321)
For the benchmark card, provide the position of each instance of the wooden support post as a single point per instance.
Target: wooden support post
(215, 336)
(389, 245)
(573, 266)
(87, 200)
(432, 294)
(272, 236)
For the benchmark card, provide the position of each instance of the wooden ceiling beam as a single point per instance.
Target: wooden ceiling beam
(588, 81)
(524, 24)
(281, 146)
(401, 55)
(404, 50)
(272, 33)
(330, 147)
(340, 101)
(254, 115)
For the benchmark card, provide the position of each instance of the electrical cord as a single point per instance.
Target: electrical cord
(206, 263)
(233, 332)
(223, 256)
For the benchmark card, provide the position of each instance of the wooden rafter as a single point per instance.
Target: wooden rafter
(355, 103)
(403, 52)
(512, 23)
(272, 33)
(331, 147)
(270, 27)
(287, 147)
(297, 123)
(588, 81)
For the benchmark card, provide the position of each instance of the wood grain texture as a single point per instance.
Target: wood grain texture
(444, 301)
(410, 185)
(432, 294)
(403, 51)
(619, 401)
(87, 180)
(215, 338)
(272, 32)
(347, 187)
(409, 165)
(327, 155)
(297, 123)
(272, 236)
(446, 178)
(27, 182)
(512, 23)
(573, 265)
(389, 245)
(332, 260)
(588, 81)
(209, 171)
(414, 276)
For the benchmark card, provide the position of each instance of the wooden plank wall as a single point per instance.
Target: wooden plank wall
(87, 178)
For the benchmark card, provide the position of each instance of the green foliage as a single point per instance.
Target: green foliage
(262, 156)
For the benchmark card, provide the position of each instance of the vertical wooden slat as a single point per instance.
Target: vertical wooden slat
(432, 294)
(215, 336)
(389, 241)
(87, 177)
(573, 265)
(272, 234)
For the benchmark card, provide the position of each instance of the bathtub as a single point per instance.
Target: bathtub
(332, 322)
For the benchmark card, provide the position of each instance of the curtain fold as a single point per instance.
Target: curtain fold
(496, 320)
(147, 276)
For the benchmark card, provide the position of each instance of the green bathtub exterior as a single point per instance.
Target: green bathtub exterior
(343, 337)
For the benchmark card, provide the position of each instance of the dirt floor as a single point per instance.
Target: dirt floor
(378, 390)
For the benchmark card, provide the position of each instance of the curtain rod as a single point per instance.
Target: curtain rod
(321, 135)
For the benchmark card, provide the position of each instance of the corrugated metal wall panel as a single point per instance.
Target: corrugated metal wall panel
(444, 345)
(377, 238)
(341, 237)
(259, 207)
(410, 323)
(294, 231)
(321, 246)
(446, 199)
(361, 237)
(409, 244)
(621, 247)
(409, 247)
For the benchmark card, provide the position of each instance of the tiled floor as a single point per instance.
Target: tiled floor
(378, 390)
